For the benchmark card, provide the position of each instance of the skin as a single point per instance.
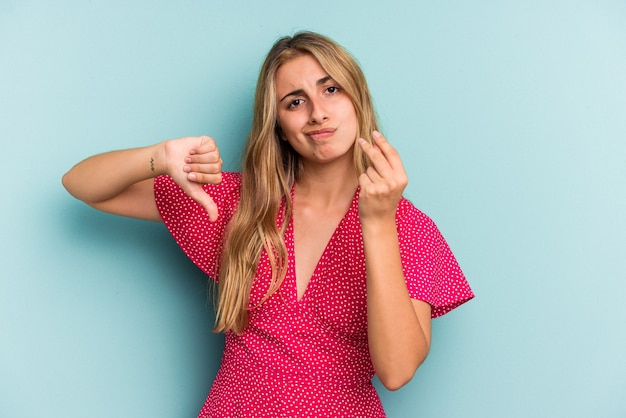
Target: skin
(318, 119)
(121, 182)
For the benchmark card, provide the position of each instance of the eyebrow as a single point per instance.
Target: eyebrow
(298, 92)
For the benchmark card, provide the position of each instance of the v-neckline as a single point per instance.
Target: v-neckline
(315, 273)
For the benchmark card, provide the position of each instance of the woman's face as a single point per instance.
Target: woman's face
(315, 115)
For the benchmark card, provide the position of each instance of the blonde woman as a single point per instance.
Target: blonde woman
(326, 274)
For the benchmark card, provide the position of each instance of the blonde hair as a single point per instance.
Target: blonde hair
(269, 169)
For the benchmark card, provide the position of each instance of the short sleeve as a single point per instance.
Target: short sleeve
(200, 239)
(431, 271)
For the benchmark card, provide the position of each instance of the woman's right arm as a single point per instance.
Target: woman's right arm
(121, 182)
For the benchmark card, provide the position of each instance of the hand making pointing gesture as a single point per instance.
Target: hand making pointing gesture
(383, 182)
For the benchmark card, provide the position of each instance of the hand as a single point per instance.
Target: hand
(193, 162)
(383, 182)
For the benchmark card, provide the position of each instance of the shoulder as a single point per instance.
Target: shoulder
(431, 270)
(407, 213)
(415, 228)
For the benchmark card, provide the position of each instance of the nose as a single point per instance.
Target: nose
(318, 112)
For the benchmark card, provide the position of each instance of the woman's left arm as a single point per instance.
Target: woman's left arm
(398, 326)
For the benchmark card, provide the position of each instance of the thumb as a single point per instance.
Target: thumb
(206, 201)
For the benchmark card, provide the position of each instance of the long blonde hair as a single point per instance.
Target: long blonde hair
(269, 169)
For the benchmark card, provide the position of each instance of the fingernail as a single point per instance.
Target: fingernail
(191, 176)
(376, 134)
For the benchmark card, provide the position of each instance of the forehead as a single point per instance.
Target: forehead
(299, 72)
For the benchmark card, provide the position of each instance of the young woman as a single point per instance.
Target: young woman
(326, 274)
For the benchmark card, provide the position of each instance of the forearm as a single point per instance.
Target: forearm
(398, 343)
(104, 176)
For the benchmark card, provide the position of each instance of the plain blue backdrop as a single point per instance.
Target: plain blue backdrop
(511, 120)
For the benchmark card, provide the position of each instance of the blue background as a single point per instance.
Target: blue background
(511, 120)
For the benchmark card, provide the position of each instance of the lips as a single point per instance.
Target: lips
(319, 134)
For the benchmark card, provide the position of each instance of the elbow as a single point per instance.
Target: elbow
(400, 375)
(66, 181)
(72, 185)
(394, 381)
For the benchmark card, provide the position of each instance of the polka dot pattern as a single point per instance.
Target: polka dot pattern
(307, 357)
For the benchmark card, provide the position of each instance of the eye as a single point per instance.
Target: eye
(294, 103)
(333, 89)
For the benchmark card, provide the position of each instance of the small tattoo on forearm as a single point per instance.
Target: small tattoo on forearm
(152, 164)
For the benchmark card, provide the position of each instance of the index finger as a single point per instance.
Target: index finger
(389, 152)
(378, 162)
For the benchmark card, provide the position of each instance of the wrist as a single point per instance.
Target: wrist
(379, 225)
(156, 159)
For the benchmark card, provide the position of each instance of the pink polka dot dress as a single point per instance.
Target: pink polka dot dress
(307, 357)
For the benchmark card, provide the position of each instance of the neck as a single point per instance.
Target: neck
(327, 186)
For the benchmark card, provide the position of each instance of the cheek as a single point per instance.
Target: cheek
(349, 111)
(291, 125)
(350, 116)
